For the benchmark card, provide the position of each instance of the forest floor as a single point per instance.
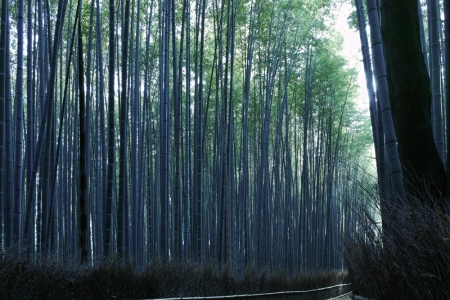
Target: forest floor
(348, 297)
(50, 279)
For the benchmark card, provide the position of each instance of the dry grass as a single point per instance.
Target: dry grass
(22, 279)
(409, 260)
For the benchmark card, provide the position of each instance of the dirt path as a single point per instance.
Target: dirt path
(343, 297)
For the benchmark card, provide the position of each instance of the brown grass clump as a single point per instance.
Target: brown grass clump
(113, 279)
(406, 257)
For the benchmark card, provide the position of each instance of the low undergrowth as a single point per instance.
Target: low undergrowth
(112, 279)
(405, 257)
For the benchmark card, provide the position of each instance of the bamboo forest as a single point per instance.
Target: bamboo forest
(220, 131)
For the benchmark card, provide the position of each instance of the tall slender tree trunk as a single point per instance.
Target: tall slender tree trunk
(18, 175)
(136, 219)
(104, 167)
(245, 181)
(198, 122)
(83, 194)
(187, 202)
(422, 35)
(30, 104)
(410, 97)
(164, 130)
(435, 54)
(447, 90)
(122, 225)
(369, 83)
(108, 234)
(177, 134)
(46, 116)
(395, 169)
(3, 86)
(9, 168)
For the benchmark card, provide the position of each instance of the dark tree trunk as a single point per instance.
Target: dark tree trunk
(447, 86)
(111, 135)
(82, 156)
(409, 91)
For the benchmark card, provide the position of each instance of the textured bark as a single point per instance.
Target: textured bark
(409, 91)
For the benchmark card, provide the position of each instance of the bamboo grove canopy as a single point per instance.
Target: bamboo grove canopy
(220, 130)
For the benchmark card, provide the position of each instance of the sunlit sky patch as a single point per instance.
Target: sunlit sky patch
(352, 49)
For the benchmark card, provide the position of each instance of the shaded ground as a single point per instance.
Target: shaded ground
(48, 279)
